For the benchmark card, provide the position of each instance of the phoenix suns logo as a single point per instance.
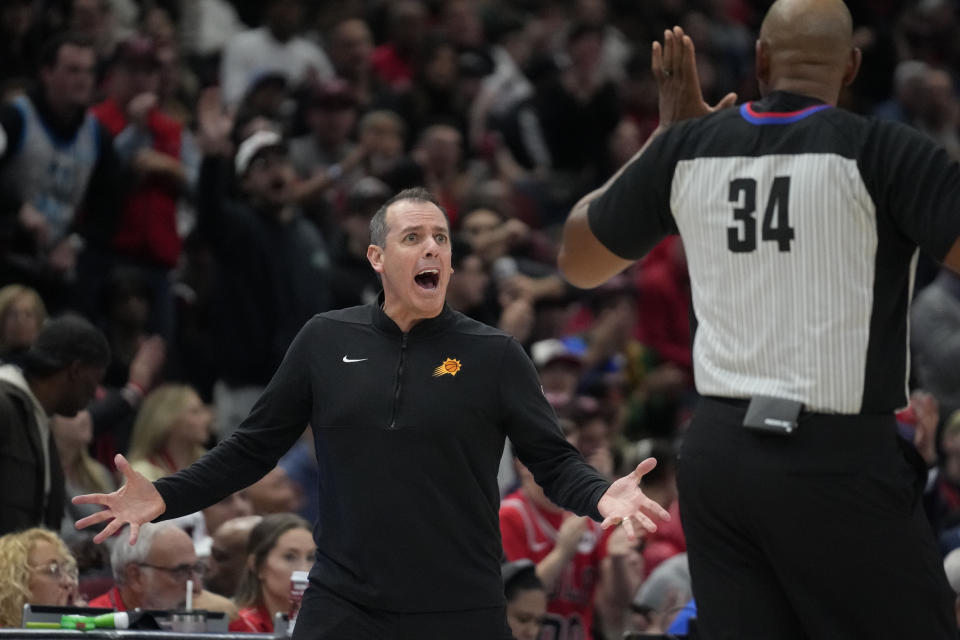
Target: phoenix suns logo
(449, 367)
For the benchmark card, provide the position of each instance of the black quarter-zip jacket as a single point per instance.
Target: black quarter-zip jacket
(409, 429)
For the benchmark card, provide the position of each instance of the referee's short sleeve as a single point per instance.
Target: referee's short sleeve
(917, 183)
(634, 213)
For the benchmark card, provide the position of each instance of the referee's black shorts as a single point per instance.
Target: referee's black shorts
(325, 615)
(820, 534)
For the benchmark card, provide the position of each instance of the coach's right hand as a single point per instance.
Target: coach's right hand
(135, 503)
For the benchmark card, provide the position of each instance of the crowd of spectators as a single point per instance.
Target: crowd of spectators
(185, 182)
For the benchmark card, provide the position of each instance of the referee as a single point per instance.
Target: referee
(801, 224)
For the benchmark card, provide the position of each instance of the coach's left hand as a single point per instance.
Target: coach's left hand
(624, 503)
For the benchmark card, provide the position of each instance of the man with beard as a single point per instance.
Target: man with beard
(273, 267)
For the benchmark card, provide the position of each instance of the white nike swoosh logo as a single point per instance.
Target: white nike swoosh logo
(346, 359)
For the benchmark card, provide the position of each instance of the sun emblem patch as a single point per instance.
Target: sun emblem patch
(449, 366)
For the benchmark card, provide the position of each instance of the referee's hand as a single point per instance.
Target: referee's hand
(625, 504)
(674, 65)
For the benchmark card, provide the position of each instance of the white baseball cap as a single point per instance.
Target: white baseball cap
(252, 145)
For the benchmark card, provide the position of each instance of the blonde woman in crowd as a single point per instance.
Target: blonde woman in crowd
(170, 431)
(36, 568)
(82, 474)
(22, 313)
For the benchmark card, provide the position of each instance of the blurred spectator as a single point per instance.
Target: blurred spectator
(236, 505)
(300, 465)
(163, 158)
(948, 484)
(461, 24)
(35, 568)
(330, 115)
(153, 573)
(939, 115)
(382, 138)
(439, 152)
(561, 133)
(951, 566)
(41, 230)
(591, 434)
(206, 26)
(507, 86)
(573, 555)
(276, 47)
(614, 359)
(664, 594)
(115, 408)
(559, 367)
(82, 474)
(228, 555)
(490, 234)
(350, 49)
(178, 84)
(935, 340)
(434, 97)
(279, 545)
(579, 110)
(267, 98)
(663, 304)
(354, 281)
(126, 308)
(907, 100)
(92, 20)
(526, 599)
(60, 374)
(615, 47)
(469, 281)
(273, 265)
(274, 493)
(18, 45)
(393, 61)
(625, 141)
(169, 432)
(22, 314)
(326, 158)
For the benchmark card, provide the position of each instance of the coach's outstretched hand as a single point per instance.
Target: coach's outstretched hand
(674, 65)
(135, 503)
(624, 503)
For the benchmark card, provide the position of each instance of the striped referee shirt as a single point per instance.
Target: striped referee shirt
(801, 224)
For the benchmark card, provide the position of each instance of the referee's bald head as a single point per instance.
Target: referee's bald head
(806, 46)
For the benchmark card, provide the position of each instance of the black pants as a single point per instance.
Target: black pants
(324, 615)
(820, 534)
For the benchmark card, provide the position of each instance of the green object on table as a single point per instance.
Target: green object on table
(114, 620)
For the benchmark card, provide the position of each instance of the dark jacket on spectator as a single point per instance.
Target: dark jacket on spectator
(272, 277)
(22, 503)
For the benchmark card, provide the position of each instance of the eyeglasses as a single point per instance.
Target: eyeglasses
(181, 571)
(57, 570)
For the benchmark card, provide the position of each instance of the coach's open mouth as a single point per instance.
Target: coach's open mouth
(428, 278)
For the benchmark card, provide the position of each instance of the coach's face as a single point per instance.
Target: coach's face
(414, 262)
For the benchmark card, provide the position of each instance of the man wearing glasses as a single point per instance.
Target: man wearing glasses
(153, 573)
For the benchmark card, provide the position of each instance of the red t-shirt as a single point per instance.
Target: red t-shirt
(531, 532)
(109, 600)
(252, 620)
